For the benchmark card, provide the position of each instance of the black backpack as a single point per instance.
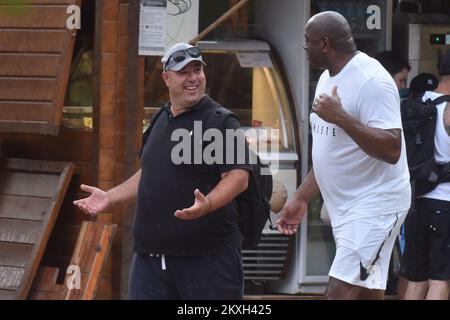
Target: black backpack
(419, 127)
(254, 203)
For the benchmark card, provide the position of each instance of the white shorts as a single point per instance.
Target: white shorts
(363, 250)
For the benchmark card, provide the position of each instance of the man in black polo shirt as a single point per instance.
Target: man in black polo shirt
(186, 235)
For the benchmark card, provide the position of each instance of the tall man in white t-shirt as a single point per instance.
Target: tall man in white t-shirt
(359, 160)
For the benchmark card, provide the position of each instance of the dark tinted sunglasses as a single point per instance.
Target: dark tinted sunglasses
(181, 55)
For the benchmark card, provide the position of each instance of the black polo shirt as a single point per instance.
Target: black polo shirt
(165, 187)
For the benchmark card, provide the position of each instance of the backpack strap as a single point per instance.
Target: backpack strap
(444, 174)
(146, 133)
(441, 99)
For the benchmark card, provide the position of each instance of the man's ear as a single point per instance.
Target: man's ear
(326, 44)
(165, 77)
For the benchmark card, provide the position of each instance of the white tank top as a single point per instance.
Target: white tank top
(441, 150)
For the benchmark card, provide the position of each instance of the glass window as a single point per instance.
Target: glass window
(77, 112)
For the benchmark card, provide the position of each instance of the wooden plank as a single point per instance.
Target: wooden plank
(34, 17)
(35, 27)
(31, 65)
(19, 111)
(59, 148)
(47, 226)
(19, 207)
(20, 231)
(46, 295)
(50, 41)
(10, 277)
(31, 89)
(15, 254)
(63, 76)
(102, 252)
(28, 184)
(7, 294)
(34, 166)
(90, 254)
(45, 280)
(41, 127)
(134, 88)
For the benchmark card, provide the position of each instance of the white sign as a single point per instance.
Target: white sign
(183, 21)
(152, 27)
(254, 60)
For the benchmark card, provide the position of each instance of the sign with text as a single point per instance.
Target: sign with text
(152, 27)
(166, 22)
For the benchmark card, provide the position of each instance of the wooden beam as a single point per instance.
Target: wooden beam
(47, 226)
(89, 257)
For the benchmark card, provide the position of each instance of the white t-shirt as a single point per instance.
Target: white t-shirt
(441, 148)
(353, 184)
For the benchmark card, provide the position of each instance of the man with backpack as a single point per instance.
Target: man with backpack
(359, 160)
(426, 260)
(187, 242)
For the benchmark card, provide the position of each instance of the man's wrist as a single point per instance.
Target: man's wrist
(110, 196)
(209, 202)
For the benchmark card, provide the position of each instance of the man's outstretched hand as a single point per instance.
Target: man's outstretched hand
(200, 207)
(97, 202)
(290, 217)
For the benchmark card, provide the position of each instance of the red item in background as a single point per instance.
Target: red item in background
(256, 124)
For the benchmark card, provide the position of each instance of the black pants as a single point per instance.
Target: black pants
(427, 241)
(209, 277)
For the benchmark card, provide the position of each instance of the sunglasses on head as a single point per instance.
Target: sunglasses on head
(181, 55)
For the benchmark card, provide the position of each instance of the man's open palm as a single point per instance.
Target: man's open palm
(200, 207)
(290, 217)
(97, 202)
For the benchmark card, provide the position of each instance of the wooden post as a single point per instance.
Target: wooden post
(134, 89)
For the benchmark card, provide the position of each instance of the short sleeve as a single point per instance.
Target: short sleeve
(236, 149)
(378, 103)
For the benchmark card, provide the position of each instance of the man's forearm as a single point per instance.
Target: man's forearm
(308, 189)
(232, 184)
(384, 145)
(126, 191)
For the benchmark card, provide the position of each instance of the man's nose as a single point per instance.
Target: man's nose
(192, 75)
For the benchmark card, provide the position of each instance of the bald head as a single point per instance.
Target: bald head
(335, 27)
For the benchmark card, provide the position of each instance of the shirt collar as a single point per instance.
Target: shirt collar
(199, 105)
